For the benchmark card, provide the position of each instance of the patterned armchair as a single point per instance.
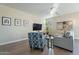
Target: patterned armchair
(36, 40)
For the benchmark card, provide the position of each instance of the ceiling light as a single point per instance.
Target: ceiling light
(54, 8)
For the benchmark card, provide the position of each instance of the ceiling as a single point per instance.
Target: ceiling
(43, 9)
(39, 9)
(66, 8)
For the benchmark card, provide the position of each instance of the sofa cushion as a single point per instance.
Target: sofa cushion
(67, 34)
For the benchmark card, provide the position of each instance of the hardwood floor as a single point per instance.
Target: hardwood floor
(22, 48)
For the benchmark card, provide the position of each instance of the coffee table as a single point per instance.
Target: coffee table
(50, 44)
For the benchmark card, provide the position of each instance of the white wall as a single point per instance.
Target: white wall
(12, 33)
(74, 17)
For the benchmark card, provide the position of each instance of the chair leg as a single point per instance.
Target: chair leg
(31, 49)
(42, 49)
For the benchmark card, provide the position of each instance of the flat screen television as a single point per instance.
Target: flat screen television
(37, 27)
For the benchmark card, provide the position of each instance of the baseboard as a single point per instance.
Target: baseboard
(13, 41)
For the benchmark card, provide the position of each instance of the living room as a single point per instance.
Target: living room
(52, 19)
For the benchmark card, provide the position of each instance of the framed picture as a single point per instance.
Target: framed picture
(17, 22)
(25, 22)
(59, 25)
(6, 21)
